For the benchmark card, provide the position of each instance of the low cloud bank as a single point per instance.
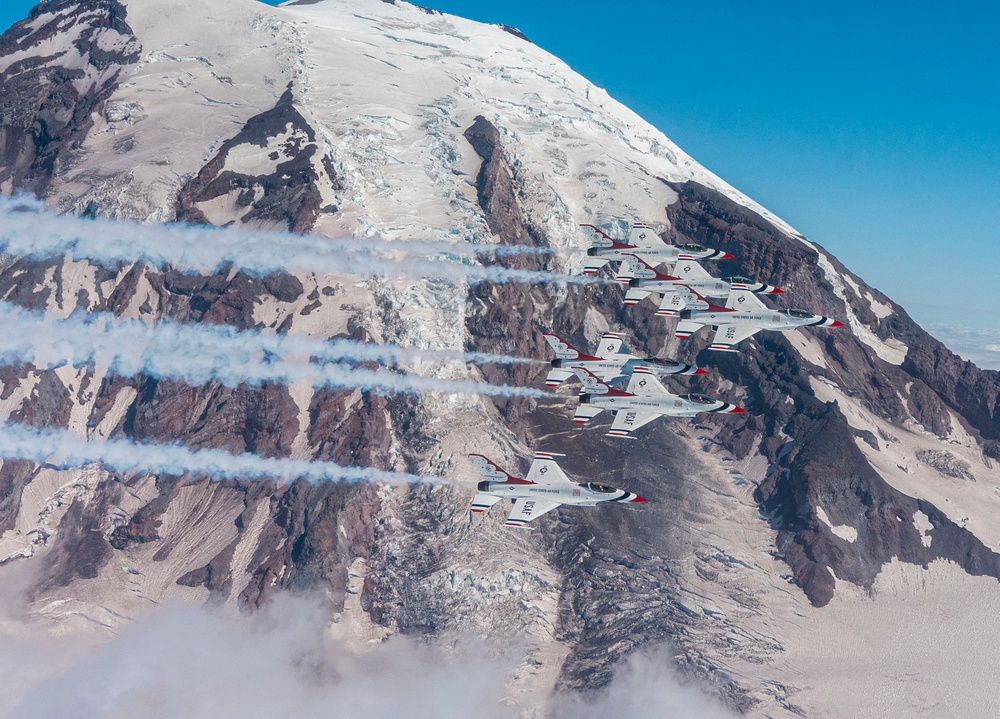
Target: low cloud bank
(979, 345)
(283, 663)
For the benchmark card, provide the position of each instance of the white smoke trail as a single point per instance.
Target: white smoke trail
(345, 349)
(29, 229)
(62, 449)
(196, 354)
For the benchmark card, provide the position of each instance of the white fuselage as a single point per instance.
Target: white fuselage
(611, 368)
(563, 493)
(761, 319)
(711, 287)
(668, 405)
(653, 255)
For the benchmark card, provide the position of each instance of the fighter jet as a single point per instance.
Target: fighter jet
(644, 242)
(644, 280)
(644, 400)
(743, 316)
(544, 489)
(613, 360)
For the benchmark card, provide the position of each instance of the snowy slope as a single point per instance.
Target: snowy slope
(371, 101)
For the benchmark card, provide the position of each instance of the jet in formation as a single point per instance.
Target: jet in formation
(644, 400)
(643, 242)
(545, 488)
(612, 360)
(744, 316)
(677, 288)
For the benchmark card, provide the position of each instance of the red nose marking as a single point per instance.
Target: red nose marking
(637, 498)
(701, 370)
(726, 256)
(777, 291)
(737, 410)
(837, 323)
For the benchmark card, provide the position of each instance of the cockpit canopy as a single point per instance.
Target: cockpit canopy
(738, 279)
(602, 488)
(798, 314)
(698, 399)
(692, 247)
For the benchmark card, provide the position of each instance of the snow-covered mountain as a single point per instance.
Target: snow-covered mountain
(798, 560)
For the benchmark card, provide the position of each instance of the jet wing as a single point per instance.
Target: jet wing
(671, 304)
(555, 377)
(585, 413)
(592, 264)
(635, 295)
(686, 328)
(728, 335)
(483, 501)
(526, 510)
(544, 470)
(628, 420)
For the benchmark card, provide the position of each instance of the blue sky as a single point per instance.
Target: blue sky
(874, 128)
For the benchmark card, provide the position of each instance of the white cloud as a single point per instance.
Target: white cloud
(980, 345)
(645, 686)
(281, 662)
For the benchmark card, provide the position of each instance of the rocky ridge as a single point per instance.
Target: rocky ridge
(837, 472)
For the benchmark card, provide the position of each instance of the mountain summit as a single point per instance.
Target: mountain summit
(853, 502)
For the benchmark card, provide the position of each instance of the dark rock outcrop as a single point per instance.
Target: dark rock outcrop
(824, 467)
(48, 103)
(289, 195)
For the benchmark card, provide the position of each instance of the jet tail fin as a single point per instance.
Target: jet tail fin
(697, 301)
(744, 300)
(691, 270)
(491, 470)
(562, 348)
(610, 344)
(642, 235)
(591, 382)
(598, 237)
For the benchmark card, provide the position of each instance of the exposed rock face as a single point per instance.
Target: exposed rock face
(819, 465)
(851, 433)
(48, 101)
(289, 195)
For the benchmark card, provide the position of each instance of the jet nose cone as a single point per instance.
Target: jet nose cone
(700, 370)
(637, 498)
(726, 256)
(737, 410)
(836, 323)
(777, 291)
